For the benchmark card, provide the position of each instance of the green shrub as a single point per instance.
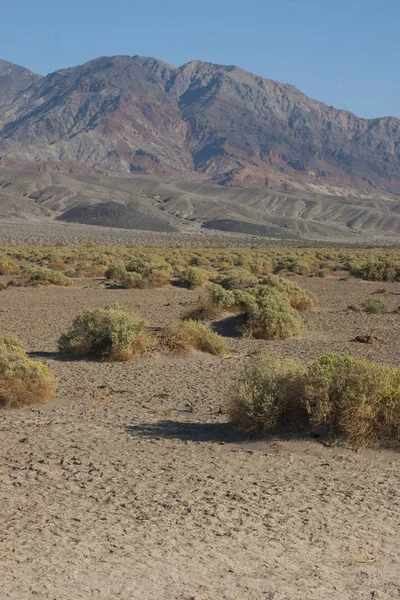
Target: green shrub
(375, 306)
(300, 299)
(8, 266)
(355, 398)
(239, 279)
(45, 275)
(109, 333)
(193, 277)
(130, 280)
(221, 298)
(115, 273)
(22, 381)
(267, 394)
(187, 335)
(383, 270)
(272, 317)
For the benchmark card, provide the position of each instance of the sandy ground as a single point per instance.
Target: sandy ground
(130, 484)
(17, 231)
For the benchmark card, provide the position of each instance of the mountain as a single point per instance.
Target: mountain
(199, 122)
(13, 81)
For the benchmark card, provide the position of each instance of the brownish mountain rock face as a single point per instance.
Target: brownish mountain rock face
(200, 121)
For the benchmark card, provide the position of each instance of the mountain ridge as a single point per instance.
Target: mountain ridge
(199, 121)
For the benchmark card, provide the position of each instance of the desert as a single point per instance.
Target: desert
(132, 482)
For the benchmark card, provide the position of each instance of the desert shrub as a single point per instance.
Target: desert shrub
(375, 306)
(109, 333)
(294, 264)
(383, 270)
(267, 394)
(22, 381)
(193, 277)
(156, 278)
(239, 279)
(130, 280)
(8, 266)
(301, 299)
(355, 398)
(115, 272)
(220, 297)
(188, 335)
(44, 275)
(272, 317)
(95, 271)
(203, 310)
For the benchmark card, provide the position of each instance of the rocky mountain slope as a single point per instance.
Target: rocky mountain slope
(144, 202)
(200, 122)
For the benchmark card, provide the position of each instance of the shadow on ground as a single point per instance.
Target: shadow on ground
(232, 326)
(222, 433)
(195, 432)
(45, 355)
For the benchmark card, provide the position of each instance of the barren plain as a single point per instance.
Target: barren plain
(132, 485)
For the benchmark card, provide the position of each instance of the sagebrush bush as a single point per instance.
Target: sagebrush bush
(44, 275)
(129, 280)
(383, 270)
(220, 297)
(193, 277)
(109, 333)
(267, 394)
(115, 272)
(22, 381)
(375, 306)
(187, 335)
(8, 266)
(300, 299)
(355, 398)
(272, 317)
(239, 279)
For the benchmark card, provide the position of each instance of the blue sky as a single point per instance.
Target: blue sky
(343, 52)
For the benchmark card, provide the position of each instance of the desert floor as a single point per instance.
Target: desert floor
(131, 485)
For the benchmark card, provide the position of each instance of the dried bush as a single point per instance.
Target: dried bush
(109, 333)
(22, 381)
(156, 278)
(203, 310)
(188, 335)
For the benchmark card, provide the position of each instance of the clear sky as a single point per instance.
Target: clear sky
(343, 52)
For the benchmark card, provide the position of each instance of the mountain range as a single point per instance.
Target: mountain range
(202, 123)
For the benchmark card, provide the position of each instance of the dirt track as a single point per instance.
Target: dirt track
(130, 485)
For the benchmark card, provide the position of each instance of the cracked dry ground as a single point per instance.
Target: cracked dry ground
(131, 486)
